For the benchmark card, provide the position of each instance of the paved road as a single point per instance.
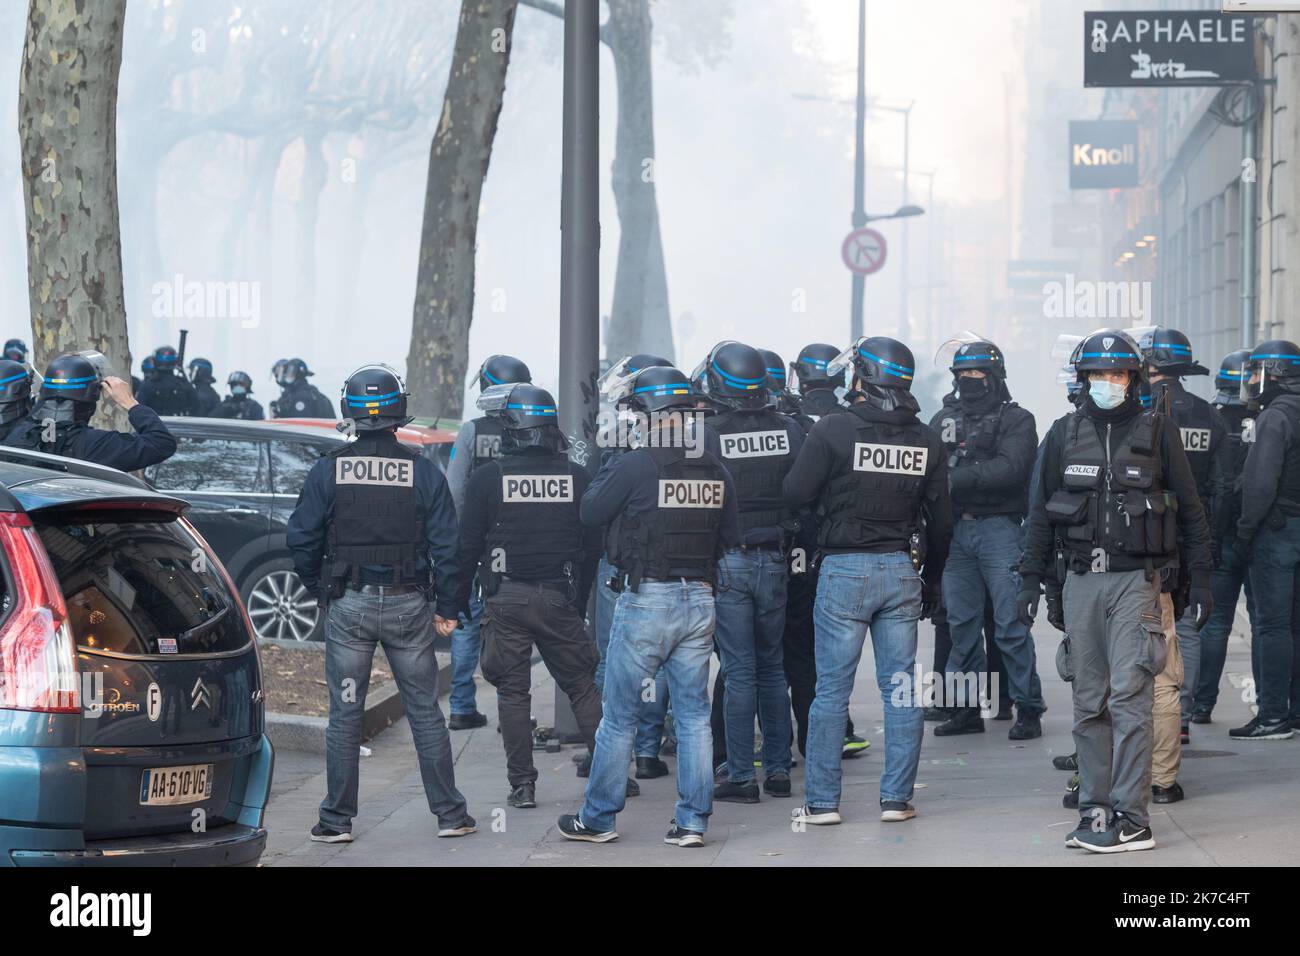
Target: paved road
(981, 800)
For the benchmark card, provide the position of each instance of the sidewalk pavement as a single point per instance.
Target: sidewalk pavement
(981, 800)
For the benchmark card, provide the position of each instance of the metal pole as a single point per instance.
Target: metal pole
(579, 252)
(904, 321)
(929, 264)
(859, 170)
(1249, 239)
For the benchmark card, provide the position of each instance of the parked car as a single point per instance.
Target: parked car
(434, 443)
(242, 480)
(131, 713)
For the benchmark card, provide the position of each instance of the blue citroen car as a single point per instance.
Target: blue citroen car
(131, 714)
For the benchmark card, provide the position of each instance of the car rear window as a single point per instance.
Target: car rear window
(139, 583)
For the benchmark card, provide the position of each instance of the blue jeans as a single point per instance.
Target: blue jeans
(983, 557)
(668, 625)
(857, 593)
(1226, 585)
(355, 623)
(751, 624)
(1274, 566)
(650, 723)
(465, 647)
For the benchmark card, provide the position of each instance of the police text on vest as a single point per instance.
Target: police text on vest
(1196, 439)
(690, 493)
(556, 488)
(755, 444)
(365, 470)
(891, 459)
(1083, 471)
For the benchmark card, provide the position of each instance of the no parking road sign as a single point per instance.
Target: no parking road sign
(863, 251)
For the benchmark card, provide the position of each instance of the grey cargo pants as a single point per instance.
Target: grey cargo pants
(1117, 647)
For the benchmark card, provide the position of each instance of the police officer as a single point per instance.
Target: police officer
(653, 712)
(374, 527)
(520, 529)
(670, 509)
(811, 393)
(69, 395)
(166, 391)
(239, 404)
(1229, 572)
(1268, 535)
(15, 350)
(776, 389)
(201, 378)
(757, 445)
(990, 442)
(299, 398)
(477, 442)
(1115, 510)
(15, 394)
(146, 372)
(880, 482)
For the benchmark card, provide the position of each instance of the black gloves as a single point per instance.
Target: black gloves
(1055, 611)
(1201, 599)
(1241, 549)
(1027, 600)
(930, 601)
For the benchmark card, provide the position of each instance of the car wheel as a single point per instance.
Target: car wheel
(279, 605)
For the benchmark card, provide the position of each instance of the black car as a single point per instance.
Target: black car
(131, 707)
(242, 480)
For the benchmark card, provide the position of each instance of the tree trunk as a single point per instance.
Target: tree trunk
(639, 317)
(458, 163)
(67, 123)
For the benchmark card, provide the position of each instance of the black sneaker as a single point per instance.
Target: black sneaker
(323, 834)
(965, 720)
(1004, 712)
(1068, 762)
(721, 774)
(464, 828)
(1170, 794)
(1201, 715)
(1027, 726)
(678, 836)
(1258, 730)
(571, 828)
(777, 784)
(732, 792)
(1122, 835)
(524, 796)
(647, 768)
(1071, 799)
(938, 713)
(467, 721)
(633, 788)
(896, 811)
(1085, 826)
(584, 765)
(816, 816)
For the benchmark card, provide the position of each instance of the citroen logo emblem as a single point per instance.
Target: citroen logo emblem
(200, 695)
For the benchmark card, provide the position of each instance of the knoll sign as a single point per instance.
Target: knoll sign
(1165, 48)
(1103, 154)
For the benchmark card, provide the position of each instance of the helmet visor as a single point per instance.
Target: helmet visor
(946, 353)
(1064, 346)
(492, 400)
(99, 360)
(843, 363)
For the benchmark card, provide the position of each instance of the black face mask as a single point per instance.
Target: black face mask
(972, 389)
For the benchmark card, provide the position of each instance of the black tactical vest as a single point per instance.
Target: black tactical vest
(1288, 489)
(1115, 497)
(681, 537)
(873, 502)
(755, 448)
(974, 438)
(537, 526)
(28, 433)
(1195, 420)
(377, 517)
(487, 441)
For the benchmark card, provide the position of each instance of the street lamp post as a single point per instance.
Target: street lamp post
(859, 171)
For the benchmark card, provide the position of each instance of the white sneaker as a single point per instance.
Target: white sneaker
(818, 817)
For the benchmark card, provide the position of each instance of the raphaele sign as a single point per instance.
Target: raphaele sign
(1164, 48)
(1103, 154)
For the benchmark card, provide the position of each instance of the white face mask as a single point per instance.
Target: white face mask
(1107, 395)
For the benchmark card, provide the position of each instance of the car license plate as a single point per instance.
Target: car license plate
(168, 786)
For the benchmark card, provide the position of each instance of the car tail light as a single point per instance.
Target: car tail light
(38, 658)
